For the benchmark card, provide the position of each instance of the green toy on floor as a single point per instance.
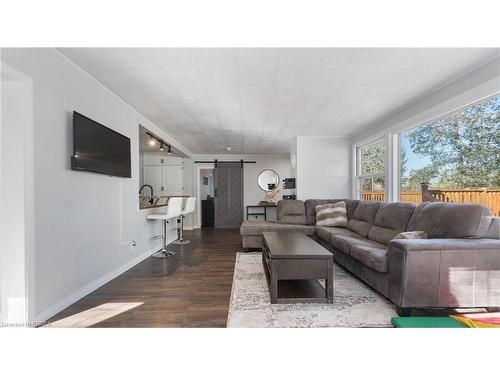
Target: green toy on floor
(426, 322)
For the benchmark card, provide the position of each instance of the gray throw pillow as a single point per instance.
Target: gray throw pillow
(415, 235)
(331, 215)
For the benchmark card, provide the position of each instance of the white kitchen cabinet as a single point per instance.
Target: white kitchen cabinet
(158, 158)
(153, 177)
(163, 173)
(172, 180)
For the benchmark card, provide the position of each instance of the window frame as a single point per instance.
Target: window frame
(358, 178)
(391, 136)
(398, 134)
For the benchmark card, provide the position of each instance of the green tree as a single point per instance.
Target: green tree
(373, 159)
(428, 174)
(464, 149)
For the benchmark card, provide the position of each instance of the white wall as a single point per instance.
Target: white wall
(252, 193)
(16, 198)
(323, 167)
(85, 222)
(478, 84)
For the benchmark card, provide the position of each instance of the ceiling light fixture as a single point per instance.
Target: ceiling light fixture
(162, 143)
(228, 148)
(152, 140)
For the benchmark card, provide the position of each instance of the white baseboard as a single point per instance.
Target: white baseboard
(89, 288)
(188, 228)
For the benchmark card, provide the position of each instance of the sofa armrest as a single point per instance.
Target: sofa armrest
(439, 244)
(444, 272)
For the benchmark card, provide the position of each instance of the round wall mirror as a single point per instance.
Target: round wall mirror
(268, 180)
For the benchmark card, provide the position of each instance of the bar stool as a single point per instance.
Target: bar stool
(174, 209)
(188, 209)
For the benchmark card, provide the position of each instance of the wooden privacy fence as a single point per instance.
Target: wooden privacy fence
(489, 198)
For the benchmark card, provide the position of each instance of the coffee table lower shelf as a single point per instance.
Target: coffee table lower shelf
(297, 290)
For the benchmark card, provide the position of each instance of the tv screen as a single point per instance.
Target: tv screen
(97, 148)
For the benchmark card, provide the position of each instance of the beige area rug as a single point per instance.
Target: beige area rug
(355, 304)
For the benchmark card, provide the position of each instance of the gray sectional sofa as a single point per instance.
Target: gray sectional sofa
(457, 266)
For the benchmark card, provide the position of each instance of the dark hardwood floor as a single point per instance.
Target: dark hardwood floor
(190, 289)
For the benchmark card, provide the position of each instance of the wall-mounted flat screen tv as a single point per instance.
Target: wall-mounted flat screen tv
(97, 148)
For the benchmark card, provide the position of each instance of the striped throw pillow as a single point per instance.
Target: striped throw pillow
(331, 215)
(415, 235)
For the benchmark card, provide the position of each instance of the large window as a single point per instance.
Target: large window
(455, 158)
(371, 172)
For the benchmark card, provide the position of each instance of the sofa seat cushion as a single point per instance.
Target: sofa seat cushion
(326, 232)
(291, 212)
(363, 217)
(371, 256)
(390, 220)
(344, 241)
(256, 228)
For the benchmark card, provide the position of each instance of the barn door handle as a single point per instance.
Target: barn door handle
(215, 193)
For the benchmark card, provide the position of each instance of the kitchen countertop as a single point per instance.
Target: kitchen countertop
(158, 201)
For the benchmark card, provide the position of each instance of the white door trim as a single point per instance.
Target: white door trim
(25, 142)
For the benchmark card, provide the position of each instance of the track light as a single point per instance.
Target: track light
(152, 140)
(155, 139)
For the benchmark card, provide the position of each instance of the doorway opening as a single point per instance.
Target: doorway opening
(220, 195)
(207, 198)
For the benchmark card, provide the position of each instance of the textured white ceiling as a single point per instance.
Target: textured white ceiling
(257, 100)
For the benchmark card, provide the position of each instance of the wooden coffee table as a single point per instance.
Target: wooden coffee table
(293, 263)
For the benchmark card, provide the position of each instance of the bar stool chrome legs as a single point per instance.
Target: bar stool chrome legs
(174, 210)
(188, 209)
(164, 253)
(181, 240)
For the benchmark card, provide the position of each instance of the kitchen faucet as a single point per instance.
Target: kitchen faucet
(151, 188)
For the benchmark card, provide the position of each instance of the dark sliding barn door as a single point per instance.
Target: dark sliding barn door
(228, 180)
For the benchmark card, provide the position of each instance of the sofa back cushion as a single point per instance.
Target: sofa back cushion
(311, 204)
(451, 220)
(363, 217)
(291, 212)
(390, 220)
(494, 229)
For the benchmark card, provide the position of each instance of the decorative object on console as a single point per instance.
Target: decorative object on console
(415, 235)
(270, 195)
(331, 215)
